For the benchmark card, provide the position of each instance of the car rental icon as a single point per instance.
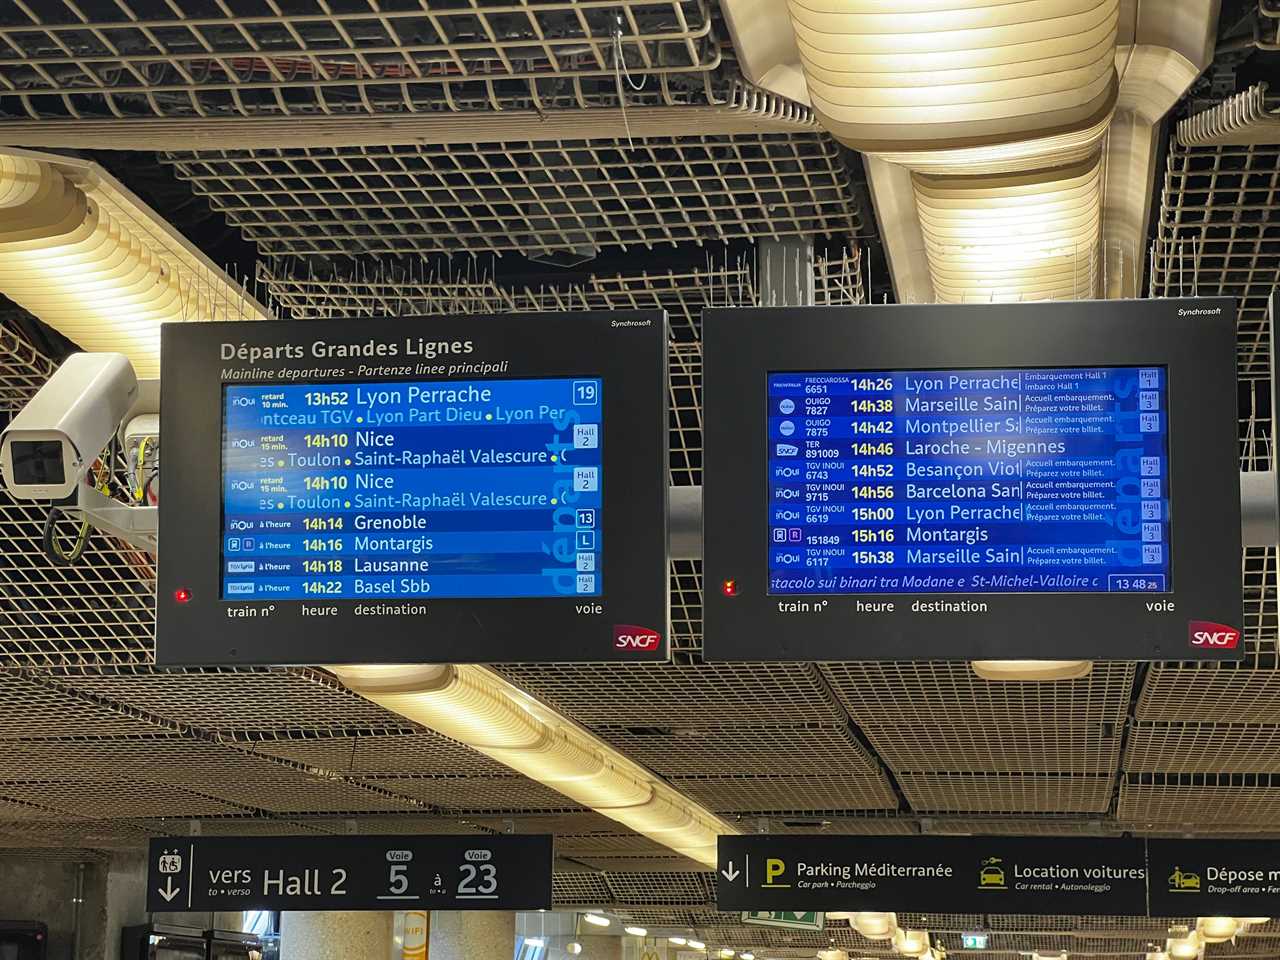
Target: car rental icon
(991, 876)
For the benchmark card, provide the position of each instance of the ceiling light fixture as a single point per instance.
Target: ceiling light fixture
(636, 931)
(875, 926)
(678, 941)
(573, 948)
(1186, 947)
(86, 256)
(475, 706)
(911, 943)
(1032, 670)
(697, 944)
(746, 956)
(1217, 929)
(596, 920)
(726, 954)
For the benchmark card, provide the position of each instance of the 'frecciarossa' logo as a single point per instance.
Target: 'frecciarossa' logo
(635, 639)
(1206, 635)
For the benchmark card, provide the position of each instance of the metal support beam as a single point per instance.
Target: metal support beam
(784, 271)
(1259, 515)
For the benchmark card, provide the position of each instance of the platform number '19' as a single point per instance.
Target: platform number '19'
(478, 880)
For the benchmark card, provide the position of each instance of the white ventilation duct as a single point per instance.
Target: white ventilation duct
(1020, 236)
(892, 75)
(969, 110)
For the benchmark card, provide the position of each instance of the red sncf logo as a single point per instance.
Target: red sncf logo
(635, 639)
(1206, 635)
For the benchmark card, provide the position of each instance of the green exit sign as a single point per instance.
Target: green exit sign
(784, 919)
(973, 941)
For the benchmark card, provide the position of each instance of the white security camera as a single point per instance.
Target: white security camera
(50, 445)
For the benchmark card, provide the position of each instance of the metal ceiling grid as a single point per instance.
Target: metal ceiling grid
(1111, 926)
(101, 610)
(122, 799)
(1193, 800)
(376, 752)
(658, 889)
(740, 750)
(290, 791)
(667, 864)
(607, 845)
(32, 711)
(1202, 748)
(707, 695)
(23, 369)
(99, 834)
(477, 795)
(870, 823)
(236, 701)
(392, 823)
(380, 292)
(781, 793)
(532, 197)
(171, 759)
(1049, 826)
(1221, 693)
(919, 693)
(130, 58)
(1218, 233)
(563, 823)
(997, 748)
(1005, 793)
(586, 889)
(943, 921)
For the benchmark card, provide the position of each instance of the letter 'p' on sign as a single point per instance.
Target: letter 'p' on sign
(773, 870)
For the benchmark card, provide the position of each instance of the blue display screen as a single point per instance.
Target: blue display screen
(988, 481)
(484, 488)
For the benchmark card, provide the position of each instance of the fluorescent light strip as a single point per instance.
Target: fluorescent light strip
(476, 707)
(88, 258)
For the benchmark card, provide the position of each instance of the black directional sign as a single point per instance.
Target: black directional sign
(349, 873)
(952, 874)
(1232, 878)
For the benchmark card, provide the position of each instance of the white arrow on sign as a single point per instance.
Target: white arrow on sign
(732, 873)
(168, 891)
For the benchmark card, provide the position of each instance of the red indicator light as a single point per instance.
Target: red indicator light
(729, 588)
(181, 595)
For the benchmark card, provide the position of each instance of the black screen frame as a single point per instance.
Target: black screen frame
(627, 350)
(1194, 340)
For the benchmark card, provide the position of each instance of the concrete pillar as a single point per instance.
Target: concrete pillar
(335, 935)
(126, 898)
(479, 935)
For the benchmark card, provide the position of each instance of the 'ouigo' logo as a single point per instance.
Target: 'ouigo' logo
(1206, 635)
(635, 639)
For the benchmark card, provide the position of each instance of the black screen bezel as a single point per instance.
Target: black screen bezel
(1197, 349)
(627, 350)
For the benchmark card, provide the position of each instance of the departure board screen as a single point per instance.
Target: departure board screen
(1037, 480)
(460, 489)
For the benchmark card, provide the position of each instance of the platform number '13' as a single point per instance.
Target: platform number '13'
(478, 880)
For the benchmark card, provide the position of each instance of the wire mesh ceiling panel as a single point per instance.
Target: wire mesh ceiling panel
(145, 58)
(531, 197)
(1219, 234)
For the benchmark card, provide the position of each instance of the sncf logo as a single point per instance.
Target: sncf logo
(635, 639)
(1205, 635)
